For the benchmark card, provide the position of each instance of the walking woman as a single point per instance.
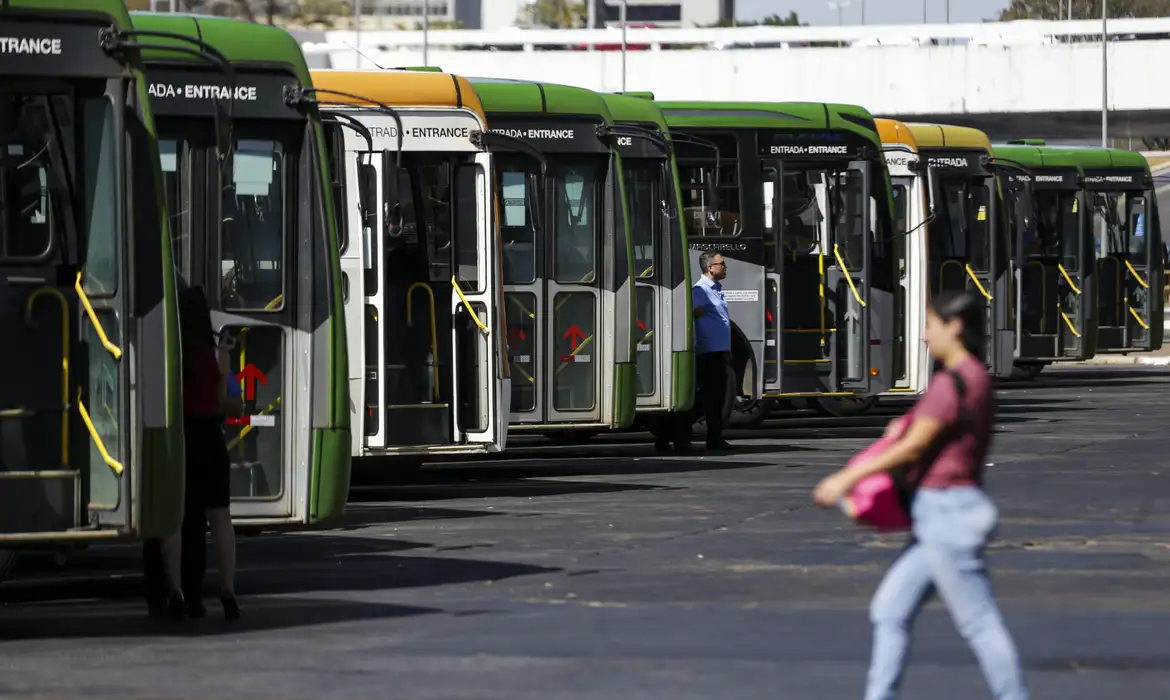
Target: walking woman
(206, 367)
(945, 439)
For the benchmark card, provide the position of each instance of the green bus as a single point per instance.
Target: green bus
(91, 438)
(569, 282)
(664, 333)
(257, 230)
(1047, 215)
(797, 198)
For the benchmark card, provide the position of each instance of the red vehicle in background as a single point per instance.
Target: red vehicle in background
(618, 46)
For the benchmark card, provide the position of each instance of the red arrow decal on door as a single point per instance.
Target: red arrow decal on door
(248, 379)
(574, 335)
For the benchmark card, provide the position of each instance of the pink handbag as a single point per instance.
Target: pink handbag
(877, 500)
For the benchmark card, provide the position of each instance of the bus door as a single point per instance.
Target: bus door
(431, 380)
(1053, 314)
(554, 265)
(249, 268)
(65, 428)
(965, 251)
(649, 189)
(1129, 268)
(907, 339)
(824, 229)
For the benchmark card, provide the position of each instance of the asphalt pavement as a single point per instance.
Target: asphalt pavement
(605, 571)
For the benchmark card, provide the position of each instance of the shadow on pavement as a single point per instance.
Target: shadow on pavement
(85, 620)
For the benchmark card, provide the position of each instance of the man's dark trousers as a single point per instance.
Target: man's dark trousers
(712, 370)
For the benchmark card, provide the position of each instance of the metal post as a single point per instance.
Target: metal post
(948, 11)
(863, 13)
(1104, 73)
(623, 46)
(426, 32)
(357, 32)
(924, 11)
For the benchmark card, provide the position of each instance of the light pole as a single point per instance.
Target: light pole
(623, 19)
(924, 11)
(863, 13)
(357, 32)
(839, 5)
(426, 32)
(1104, 74)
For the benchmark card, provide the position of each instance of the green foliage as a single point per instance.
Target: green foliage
(1084, 9)
(792, 20)
(556, 14)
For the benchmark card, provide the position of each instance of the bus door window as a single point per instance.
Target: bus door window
(518, 227)
(465, 230)
(575, 222)
(848, 232)
(518, 193)
(174, 156)
(1110, 238)
(30, 178)
(252, 231)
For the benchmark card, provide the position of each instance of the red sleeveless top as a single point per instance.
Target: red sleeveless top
(201, 384)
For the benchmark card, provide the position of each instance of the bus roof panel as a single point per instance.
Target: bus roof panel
(947, 136)
(237, 40)
(894, 132)
(504, 96)
(772, 115)
(634, 110)
(400, 88)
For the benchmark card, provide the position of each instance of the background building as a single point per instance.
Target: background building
(664, 13)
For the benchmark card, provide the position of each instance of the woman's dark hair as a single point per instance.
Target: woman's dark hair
(966, 307)
(195, 330)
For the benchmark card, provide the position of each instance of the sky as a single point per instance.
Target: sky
(816, 12)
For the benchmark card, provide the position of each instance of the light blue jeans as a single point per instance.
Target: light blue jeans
(951, 527)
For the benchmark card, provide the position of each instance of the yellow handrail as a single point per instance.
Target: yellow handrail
(1137, 317)
(848, 277)
(244, 331)
(28, 307)
(1068, 322)
(975, 279)
(1137, 276)
(579, 348)
(97, 439)
(434, 334)
(114, 349)
(821, 292)
(1067, 278)
(467, 305)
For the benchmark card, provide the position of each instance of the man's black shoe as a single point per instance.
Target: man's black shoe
(720, 446)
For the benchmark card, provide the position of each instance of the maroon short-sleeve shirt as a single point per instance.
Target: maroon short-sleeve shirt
(957, 457)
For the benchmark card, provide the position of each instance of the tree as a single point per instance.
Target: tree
(1084, 9)
(792, 20)
(555, 14)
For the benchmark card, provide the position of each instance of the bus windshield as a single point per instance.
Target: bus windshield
(647, 191)
(1057, 228)
(961, 228)
(57, 169)
(1115, 234)
(576, 190)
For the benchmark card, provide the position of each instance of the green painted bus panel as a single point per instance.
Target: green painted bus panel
(638, 109)
(1036, 157)
(330, 488)
(772, 115)
(249, 43)
(626, 400)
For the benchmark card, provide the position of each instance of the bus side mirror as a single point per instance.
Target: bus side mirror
(367, 197)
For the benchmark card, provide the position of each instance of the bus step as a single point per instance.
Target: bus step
(40, 501)
(418, 424)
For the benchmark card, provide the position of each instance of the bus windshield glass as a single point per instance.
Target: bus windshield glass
(1116, 232)
(1057, 228)
(57, 169)
(815, 198)
(961, 229)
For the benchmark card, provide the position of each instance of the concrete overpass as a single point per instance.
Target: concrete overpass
(1029, 78)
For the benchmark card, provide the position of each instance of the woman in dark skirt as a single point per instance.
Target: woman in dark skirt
(206, 368)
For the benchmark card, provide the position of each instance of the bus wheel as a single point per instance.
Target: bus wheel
(8, 559)
(749, 413)
(1028, 371)
(571, 437)
(842, 407)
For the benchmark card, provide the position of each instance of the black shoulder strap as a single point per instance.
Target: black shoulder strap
(907, 481)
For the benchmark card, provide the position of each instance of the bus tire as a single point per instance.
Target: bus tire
(8, 559)
(832, 407)
(750, 413)
(1028, 371)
